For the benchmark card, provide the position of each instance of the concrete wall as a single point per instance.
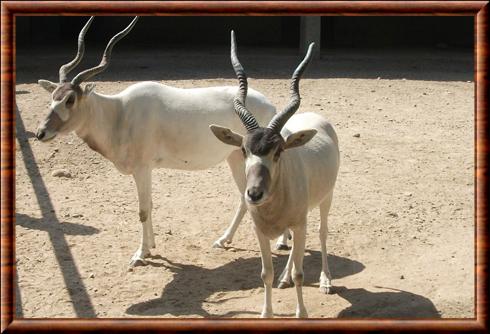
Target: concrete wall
(398, 31)
(258, 31)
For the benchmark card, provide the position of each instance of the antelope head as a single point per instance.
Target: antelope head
(66, 96)
(262, 146)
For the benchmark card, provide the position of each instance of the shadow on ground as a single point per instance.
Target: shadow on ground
(41, 224)
(50, 223)
(241, 274)
(397, 304)
(261, 63)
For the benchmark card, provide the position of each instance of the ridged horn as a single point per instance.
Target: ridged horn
(65, 69)
(246, 117)
(278, 121)
(106, 58)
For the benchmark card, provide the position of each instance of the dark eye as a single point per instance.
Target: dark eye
(70, 101)
(243, 151)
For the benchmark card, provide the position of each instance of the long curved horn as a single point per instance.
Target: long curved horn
(106, 58)
(278, 121)
(65, 69)
(246, 117)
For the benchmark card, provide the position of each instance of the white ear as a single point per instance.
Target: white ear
(226, 135)
(48, 85)
(299, 138)
(89, 88)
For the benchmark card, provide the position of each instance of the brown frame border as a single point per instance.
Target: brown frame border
(478, 9)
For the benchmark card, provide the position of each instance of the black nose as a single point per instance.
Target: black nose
(255, 194)
(40, 134)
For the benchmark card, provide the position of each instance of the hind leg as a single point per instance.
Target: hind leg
(285, 280)
(282, 241)
(227, 237)
(237, 166)
(142, 177)
(325, 276)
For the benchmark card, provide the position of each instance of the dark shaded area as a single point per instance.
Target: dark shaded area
(399, 304)
(50, 223)
(19, 313)
(185, 64)
(398, 31)
(241, 274)
(180, 48)
(373, 31)
(66, 228)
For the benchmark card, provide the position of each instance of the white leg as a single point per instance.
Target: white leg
(149, 223)
(237, 166)
(282, 241)
(230, 231)
(285, 278)
(298, 252)
(325, 276)
(142, 177)
(267, 273)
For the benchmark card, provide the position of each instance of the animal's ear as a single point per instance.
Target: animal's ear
(226, 135)
(299, 138)
(48, 85)
(88, 88)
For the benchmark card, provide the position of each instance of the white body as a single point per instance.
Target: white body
(161, 126)
(150, 125)
(305, 178)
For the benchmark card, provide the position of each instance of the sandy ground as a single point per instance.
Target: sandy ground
(401, 224)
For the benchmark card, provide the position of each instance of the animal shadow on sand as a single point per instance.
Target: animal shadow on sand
(179, 298)
(399, 304)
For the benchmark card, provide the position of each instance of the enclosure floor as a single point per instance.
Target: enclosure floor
(401, 229)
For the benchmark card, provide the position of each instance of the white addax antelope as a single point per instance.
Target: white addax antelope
(148, 125)
(285, 181)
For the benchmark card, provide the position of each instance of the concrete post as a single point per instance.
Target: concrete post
(310, 31)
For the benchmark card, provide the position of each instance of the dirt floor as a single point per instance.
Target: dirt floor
(401, 225)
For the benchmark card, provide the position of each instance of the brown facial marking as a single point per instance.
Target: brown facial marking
(262, 140)
(60, 92)
(258, 181)
(259, 175)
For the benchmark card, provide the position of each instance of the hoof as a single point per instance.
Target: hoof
(326, 290)
(282, 247)
(139, 262)
(284, 285)
(266, 315)
(302, 314)
(138, 258)
(220, 243)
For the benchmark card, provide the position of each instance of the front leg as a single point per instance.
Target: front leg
(325, 276)
(142, 177)
(149, 224)
(298, 252)
(267, 272)
(282, 241)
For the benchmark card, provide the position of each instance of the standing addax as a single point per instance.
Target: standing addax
(148, 125)
(291, 167)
